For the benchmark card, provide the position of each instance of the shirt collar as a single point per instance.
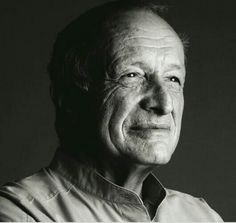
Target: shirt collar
(88, 180)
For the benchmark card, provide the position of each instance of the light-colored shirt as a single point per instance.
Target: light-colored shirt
(70, 191)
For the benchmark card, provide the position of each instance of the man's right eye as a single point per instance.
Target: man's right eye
(131, 75)
(131, 79)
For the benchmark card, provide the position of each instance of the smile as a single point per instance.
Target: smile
(150, 131)
(142, 127)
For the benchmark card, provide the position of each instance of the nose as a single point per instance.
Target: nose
(158, 100)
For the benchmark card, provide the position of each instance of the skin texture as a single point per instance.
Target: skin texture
(142, 99)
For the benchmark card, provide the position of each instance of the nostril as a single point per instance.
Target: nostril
(155, 109)
(161, 104)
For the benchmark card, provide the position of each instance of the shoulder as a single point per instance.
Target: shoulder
(10, 211)
(42, 185)
(18, 200)
(194, 207)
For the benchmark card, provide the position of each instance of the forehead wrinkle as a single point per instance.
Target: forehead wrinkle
(133, 27)
(124, 38)
(149, 38)
(135, 55)
(136, 48)
(126, 25)
(121, 41)
(131, 31)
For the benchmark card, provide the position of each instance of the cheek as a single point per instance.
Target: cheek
(124, 102)
(117, 104)
(178, 103)
(181, 107)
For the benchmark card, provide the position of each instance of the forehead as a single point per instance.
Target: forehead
(138, 33)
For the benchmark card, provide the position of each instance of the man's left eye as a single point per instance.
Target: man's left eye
(175, 79)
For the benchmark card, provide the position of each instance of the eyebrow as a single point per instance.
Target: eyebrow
(143, 65)
(168, 67)
(175, 67)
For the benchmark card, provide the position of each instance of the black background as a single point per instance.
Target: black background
(204, 163)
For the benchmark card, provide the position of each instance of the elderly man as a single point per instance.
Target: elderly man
(117, 78)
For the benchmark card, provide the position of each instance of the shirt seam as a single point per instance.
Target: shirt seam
(55, 193)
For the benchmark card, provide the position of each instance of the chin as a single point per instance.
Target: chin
(160, 154)
(162, 158)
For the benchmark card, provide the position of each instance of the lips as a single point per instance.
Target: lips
(150, 131)
(150, 126)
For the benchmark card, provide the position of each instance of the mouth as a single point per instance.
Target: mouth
(150, 131)
(151, 126)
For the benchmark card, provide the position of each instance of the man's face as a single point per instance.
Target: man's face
(142, 102)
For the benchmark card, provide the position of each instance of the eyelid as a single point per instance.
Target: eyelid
(138, 72)
(178, 80)
(129, 74)
(175, 74)
(175, 78)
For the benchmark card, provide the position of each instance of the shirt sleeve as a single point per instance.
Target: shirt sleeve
(11, 212)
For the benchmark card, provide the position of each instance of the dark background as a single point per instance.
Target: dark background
(204, 164)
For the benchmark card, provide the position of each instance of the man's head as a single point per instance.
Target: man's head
(117, 78)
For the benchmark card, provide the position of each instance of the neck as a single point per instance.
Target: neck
(120, 171)
(128, 176)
